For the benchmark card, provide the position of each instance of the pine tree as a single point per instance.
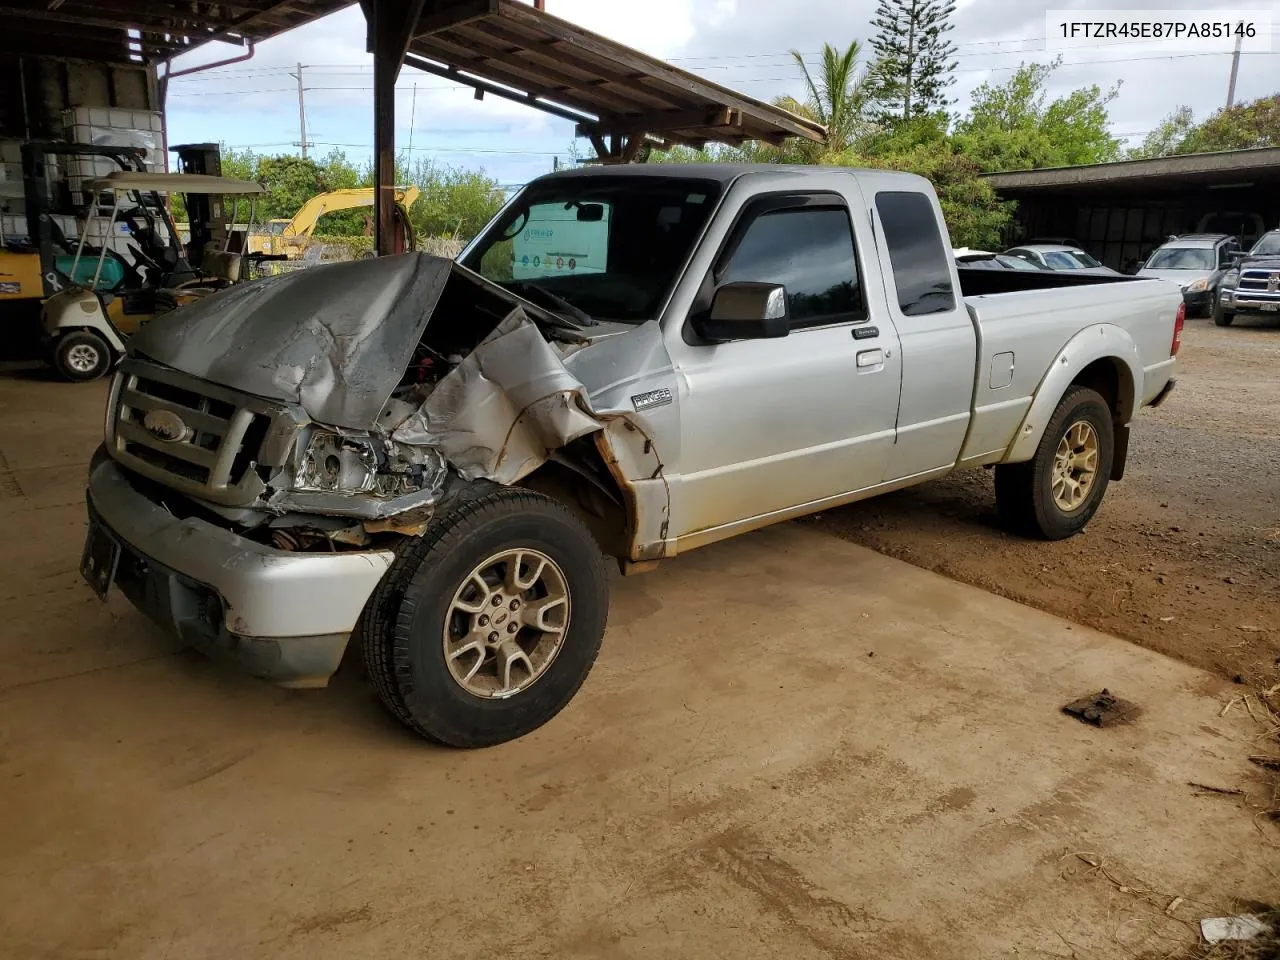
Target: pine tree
(914, 59)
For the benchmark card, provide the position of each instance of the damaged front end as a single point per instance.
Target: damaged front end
(320, 409)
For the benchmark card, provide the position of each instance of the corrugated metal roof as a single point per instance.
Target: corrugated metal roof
(609, 88)
(100, 29)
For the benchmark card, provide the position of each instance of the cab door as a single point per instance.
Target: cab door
(772, 425)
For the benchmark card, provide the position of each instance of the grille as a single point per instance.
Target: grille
(221, 441)
(1258, 281)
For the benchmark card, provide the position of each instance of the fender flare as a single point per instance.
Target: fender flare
(1103, 341)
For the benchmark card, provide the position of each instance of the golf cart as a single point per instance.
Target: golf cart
(37, 247)
(129, 266)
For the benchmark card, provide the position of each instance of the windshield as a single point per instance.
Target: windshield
(610, 247)
(1268, 246)
(1069, 259)
(1181, 258)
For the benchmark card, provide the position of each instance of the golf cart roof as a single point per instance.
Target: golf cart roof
(172, 183)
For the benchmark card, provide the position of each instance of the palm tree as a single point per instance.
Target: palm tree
(837, 98)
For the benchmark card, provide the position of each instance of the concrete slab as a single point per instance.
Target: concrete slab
(790, 746)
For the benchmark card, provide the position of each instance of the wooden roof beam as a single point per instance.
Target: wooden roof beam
(433, 19)
(650, 70)
(662, 120)
(531, 99)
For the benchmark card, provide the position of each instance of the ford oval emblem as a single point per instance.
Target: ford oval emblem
(165, 425)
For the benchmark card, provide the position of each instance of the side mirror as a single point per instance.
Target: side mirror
(1235, 256)
(746, 310)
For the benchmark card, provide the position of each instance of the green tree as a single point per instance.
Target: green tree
(915, 61)
(974, 215)
(454, 202)
(1165, 138)
(836, 98)
(1014, 125)
(1246, 125)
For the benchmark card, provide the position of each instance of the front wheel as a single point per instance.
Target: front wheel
(81, 356)
(487, 625)
(1057, 492)
(1222, 318)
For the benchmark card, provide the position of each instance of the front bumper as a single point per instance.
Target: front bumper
(1249, 302)
(1200, 301)
(280, 615)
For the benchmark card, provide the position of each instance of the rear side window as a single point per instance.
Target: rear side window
(921, 271)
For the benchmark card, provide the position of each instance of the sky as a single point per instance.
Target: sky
(742, 44)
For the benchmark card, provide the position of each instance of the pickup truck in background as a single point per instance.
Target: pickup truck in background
(631, 362)
(1252, 285)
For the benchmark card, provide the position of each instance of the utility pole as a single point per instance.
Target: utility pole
(1235, 70)
(413, 109)
(302, 112)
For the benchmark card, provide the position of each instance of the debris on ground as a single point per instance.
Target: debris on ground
(1228, 791)
(1102, 709)
(1243, 927)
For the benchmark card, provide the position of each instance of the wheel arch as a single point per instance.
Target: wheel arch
(615, 481)
(1102, 357)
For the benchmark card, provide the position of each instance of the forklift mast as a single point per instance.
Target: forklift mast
(206, 217)
(40, 202)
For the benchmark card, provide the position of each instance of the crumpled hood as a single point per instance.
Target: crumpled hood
(334, 338)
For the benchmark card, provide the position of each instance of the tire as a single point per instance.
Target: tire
(1221, 317)
(414, 615)
(81, 356)
(1025, 492)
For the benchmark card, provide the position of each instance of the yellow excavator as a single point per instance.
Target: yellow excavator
(291, 237)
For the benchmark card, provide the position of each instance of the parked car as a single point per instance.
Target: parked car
(1252, 285)
(985, 260)
(1197, 262)
(1054, 241)
(628, 361)
(1060, 257)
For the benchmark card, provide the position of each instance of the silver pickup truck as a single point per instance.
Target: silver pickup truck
(436, 456)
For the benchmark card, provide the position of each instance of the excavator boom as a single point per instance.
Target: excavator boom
(304, 221)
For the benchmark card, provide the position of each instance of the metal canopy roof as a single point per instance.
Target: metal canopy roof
(99, 30)
(500, 47)
(1162, 174)
(512, 50)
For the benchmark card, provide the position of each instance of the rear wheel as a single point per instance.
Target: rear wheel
(486, 627)
(1222, 317)
(82, 355)
(1057, 492)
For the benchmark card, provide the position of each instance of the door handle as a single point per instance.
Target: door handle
(870, 358)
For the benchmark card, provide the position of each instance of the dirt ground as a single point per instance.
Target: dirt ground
(790, 746)
(1183, 557)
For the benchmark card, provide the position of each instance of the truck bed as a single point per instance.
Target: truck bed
(981, 282)
(1025, 320)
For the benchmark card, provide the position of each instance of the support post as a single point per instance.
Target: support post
(391, 27)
